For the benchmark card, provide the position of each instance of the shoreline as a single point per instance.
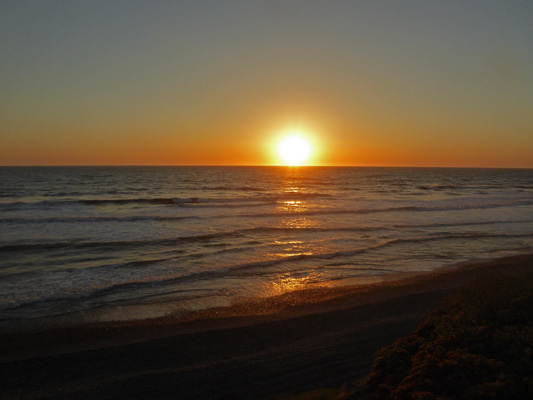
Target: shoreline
(298, 341)
(48, 339)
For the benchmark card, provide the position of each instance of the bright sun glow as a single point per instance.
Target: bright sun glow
(294, 150)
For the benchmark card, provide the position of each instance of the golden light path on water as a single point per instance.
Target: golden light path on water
(284, 282)
(301, 286)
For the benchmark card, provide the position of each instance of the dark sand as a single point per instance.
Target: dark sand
(295, 344)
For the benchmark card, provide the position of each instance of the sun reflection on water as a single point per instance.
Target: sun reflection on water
(297, 223)
(285, 283)
(293, 206)
(293, 248)
(293, 189)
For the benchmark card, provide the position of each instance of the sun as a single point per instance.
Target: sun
(294, 150)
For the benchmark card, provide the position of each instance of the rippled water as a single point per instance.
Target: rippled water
(126, 242)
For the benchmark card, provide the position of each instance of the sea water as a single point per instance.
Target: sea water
(138, 242)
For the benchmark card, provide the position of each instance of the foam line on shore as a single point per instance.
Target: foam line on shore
(59, 338)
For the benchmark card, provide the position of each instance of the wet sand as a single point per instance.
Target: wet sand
(288, 344)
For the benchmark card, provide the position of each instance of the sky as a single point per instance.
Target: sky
(368, 83)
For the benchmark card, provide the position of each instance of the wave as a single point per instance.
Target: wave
(229, 205)
(173, 241)
(345, 253)
(396, 209)
(96, 219)
(143, 218)
(81, 244)
(179, 201)
(452, 224)
(241, 270)
(105, 267)
(238, 202)
(63, 296)
(388, 243)
(237, 189)
(107, 245)
(463, 187)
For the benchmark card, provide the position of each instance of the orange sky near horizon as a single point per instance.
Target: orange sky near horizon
(260, 148)
(369, 83)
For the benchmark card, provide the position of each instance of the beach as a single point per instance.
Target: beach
(304, 341)
(253, 200)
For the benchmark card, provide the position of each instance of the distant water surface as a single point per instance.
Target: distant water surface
(134, 242)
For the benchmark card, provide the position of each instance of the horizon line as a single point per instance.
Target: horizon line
(252, 166)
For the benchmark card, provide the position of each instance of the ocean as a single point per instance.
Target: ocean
(122, 243)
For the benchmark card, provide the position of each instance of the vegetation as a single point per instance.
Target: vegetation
(477, 347)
